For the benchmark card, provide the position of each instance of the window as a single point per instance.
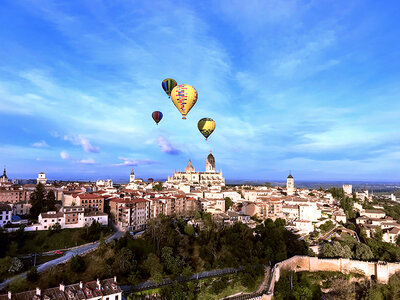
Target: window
(116, 297)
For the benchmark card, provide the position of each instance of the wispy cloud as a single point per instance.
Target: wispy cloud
(40, 144)
(166, 146)
(88, 161)
(135, 162)
(82, 141)
(64, 155)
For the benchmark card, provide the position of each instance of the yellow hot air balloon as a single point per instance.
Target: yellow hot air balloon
(184, 96)
(206, 127)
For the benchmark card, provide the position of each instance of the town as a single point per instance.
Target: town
(319, 217)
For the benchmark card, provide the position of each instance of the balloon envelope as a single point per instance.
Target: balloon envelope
(157, 116)
(184, 96)
(168, 85)
(206, 126)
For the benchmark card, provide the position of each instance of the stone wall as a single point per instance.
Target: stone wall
(381, 271)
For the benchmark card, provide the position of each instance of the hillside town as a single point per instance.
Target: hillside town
(130, 206)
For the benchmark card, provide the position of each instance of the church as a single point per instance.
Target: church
(208, 178)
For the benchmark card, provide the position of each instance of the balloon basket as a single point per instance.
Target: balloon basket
(183, 118)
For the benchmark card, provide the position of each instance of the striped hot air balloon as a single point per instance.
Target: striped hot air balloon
(157, 116)
(184, 96)
(206, 127)
(168, 85)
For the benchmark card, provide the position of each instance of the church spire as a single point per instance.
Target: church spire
(132, 173)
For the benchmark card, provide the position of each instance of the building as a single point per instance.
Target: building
(106, 289)
(41, 178)
(208, 178)
(69, 217)
(290, 185)
(4, 182)
(348, 189)
(91, 202)
(130, 214)
(5, 214)
(373, 213)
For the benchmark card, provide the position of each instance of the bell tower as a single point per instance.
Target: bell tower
(290, 185)
(132, 176)
(210, 163)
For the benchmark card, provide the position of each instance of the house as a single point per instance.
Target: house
(106, 289)
(5, 214)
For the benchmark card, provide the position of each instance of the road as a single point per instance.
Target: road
(80, 250)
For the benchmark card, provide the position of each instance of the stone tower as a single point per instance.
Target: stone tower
(210, 163)
(290, 185)
(132, 176)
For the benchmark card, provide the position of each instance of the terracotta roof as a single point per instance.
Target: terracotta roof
(89, 196)
(72, 292)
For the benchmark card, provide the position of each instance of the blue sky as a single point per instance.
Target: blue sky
(307, 86)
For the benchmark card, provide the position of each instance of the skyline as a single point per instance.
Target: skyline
(304, 86)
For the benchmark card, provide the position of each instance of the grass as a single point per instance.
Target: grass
(234, 286)
(43, 241)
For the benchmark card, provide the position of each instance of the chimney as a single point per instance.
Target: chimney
(115, 279)
(9, 295)
(81, 284)
(38, 291)
(62, 287)
(98, 283)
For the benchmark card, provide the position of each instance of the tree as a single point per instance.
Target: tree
(32, 275)
(37, 199)
(77, 264)
(302, 293)
(228, 203)
(267, 184)
(154, 267)
(5, 264)
(16, 265)
(363, 252)
(125, 260)
(50, 201)
(189, 230)
(158, 187)
(378, 234)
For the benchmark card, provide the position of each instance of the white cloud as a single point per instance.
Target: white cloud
(166, 146)
(135, 162)
(40, 144)
(88, 161)
(82, 141)
(64, 155)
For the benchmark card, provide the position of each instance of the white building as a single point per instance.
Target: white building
(208, 178)
(348, 189)
(5, 214)
(41, 178)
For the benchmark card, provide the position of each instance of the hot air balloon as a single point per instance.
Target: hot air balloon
(184, 97)
(157, 116)
(168, 85)
(206, 127)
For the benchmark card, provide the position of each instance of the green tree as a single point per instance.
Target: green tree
(378, 234)
(228, 203)
(77, 264)
(154, 267)
(50, 201)
(158, 187)
(32, 275)
(302, 293)
(267, 184)
(363, 252)
(189, 230)
(5, 264)
(125, 260)
(37, 199)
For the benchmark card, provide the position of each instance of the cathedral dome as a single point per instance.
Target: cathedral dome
(189, 167)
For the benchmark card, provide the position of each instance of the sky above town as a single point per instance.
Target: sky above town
(307, 86)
